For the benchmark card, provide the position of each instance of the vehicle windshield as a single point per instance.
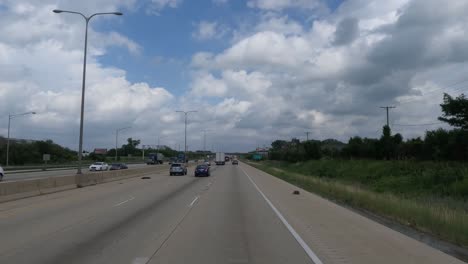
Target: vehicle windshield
(123, 124)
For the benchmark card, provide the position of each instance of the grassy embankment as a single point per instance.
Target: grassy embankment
(431, 197)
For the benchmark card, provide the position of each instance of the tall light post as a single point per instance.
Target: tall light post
(10, 117)
(117, 138)
(158, 145)
(186, 113)
(204, 139)
(87, 19)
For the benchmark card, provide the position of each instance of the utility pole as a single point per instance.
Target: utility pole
(307, 133)
(387, 108)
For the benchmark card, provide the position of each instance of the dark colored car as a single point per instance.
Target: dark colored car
(118, 166)
(202, 170)
(235, 162)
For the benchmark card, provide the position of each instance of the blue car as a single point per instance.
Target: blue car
(202, 170)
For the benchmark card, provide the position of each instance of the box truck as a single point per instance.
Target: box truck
(220, 159)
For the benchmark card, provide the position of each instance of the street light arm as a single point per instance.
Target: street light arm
(123, 128)
(22, 114)
(85, 17)
(71, 12)
(105, 13)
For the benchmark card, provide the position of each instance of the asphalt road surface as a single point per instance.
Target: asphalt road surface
(238, 215)
(18, 176)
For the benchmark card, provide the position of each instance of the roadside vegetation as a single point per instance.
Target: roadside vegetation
(387, 190)
(421, 182)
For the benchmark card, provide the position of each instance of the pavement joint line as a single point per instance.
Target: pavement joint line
(140, 260)
(194, 201)
(126, 201)
(293, 232)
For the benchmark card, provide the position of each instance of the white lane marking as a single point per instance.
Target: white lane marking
(140, 260)
(126, 201)
(293, 232)
(194, 200)
(209, 184)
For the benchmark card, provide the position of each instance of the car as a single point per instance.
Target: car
(235, 162)
(2, 173)
(207, 163)
(118, 166)
(99, 166)
(202, 170)
(177, 169)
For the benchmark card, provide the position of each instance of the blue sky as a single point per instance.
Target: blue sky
(167, 41)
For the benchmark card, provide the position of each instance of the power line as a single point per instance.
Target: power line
(430, 124)
(450, 86)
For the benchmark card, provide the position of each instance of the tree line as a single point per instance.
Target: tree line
(23, 152)
(30, 152)
(440, 144)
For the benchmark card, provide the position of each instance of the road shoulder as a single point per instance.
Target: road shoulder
(339, 235)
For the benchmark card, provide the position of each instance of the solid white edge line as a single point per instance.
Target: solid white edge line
(194, 200)
(293, 232)
(126, 201)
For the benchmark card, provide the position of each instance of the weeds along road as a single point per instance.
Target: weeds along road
(238, 215)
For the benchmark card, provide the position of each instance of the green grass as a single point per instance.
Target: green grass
(445, 217)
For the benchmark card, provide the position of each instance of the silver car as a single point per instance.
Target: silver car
(178, 169)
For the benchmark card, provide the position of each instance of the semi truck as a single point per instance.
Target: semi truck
(220, 158)
(155, 158)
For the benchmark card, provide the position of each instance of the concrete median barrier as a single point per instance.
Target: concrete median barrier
(14, 190)
(94, 178)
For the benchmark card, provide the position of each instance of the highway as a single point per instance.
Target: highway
(238, 215)
(28, 175)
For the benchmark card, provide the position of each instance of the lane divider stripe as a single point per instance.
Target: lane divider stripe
(293, 232)
(126, 201)
(194, 200)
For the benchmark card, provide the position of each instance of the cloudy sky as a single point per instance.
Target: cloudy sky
(255, 70)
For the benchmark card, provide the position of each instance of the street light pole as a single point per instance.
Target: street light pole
(87, 19)
(10, 117)
(204, 139)
(186, 113)
(117, 138)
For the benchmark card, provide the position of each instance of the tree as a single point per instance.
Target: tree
(312, 149)
(278, 144)
(455, 111)
(388, 144)
(131, 146)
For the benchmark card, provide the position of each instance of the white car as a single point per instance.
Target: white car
(99, 166)
(2, 173)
